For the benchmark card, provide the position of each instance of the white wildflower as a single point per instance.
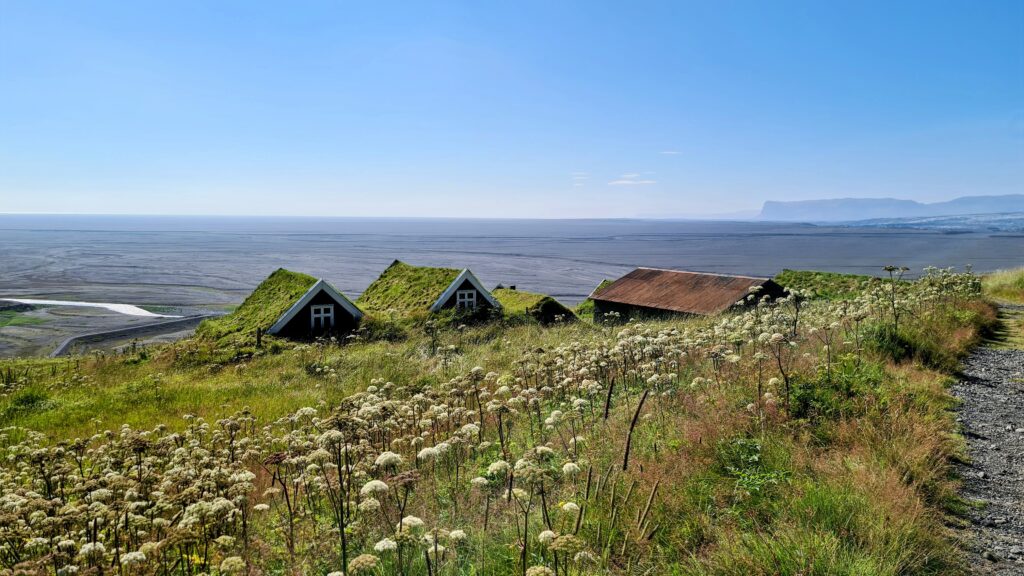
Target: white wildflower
(373, 487)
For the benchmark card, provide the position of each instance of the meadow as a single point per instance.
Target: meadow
(813, 435)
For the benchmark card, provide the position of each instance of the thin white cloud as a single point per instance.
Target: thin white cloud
(669, 152)
(630, 176)
(631, 182)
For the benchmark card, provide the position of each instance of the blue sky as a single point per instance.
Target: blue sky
(510, 109)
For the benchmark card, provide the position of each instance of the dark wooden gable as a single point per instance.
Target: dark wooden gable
(301, 326)
(481, 301)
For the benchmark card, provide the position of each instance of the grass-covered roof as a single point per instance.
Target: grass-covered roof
(272, 298)
(586, 307)
(541, 307)
(406, 289)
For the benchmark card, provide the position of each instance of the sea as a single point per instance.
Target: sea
(185, 264)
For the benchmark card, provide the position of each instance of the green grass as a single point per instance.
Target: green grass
(12, 318)
(142, 394)
(89, 394)
(826, 285)
(855, 480)
(522, 304)
(406, 290)
(1005, 285)
(1009, 334)
(585, 309)
(272, 298)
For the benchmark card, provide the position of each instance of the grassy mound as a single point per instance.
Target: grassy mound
(826, 285)
(406, 290)
(16, 318)
(585, 309)
(1005, 284)
(540, 307)
(272, 298)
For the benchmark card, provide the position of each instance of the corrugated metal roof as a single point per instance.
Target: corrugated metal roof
(679, 291)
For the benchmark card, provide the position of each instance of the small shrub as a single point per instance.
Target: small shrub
(374, 329)
(26, 402)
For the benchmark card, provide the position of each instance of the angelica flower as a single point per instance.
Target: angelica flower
(427, 454)
(373, 487)
(362, 564)
(129, 558)
(387, 459)
(409, 522)
(498, 468)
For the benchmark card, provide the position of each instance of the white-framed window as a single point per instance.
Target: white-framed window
(465, 299)
(321, 317)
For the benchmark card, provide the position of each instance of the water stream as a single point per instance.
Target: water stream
(127, 309)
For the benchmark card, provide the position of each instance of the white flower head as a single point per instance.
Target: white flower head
(385, 545)
(387, 459)
(409, 523)
(373, 487)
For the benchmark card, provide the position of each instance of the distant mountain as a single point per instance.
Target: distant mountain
(852, 209)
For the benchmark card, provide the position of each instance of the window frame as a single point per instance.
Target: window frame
(462, 297)
(324, 313)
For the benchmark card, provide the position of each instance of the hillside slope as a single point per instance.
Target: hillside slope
(787, 439)
(271, 299)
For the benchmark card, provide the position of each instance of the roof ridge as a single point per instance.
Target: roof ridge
(701, 273)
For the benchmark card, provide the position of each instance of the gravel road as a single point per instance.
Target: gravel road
(992, 420)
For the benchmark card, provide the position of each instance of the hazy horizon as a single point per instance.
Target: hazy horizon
(740, 215)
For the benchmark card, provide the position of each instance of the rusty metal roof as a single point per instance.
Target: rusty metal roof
(679, 291)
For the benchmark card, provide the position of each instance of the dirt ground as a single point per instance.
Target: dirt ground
(992, 420)
(38, 330)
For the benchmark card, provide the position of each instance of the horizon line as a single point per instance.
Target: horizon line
(313, 217)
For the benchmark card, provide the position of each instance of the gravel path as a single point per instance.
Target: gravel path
(992, 419)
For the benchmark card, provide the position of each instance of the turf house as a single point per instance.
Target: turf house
(321, 311)
(288, 305)
(539, 307)
(410, 290)
(651, 292)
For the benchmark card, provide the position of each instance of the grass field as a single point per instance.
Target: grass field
(798, 438)
(1006, 285)
(12, 318)
(827, 285)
